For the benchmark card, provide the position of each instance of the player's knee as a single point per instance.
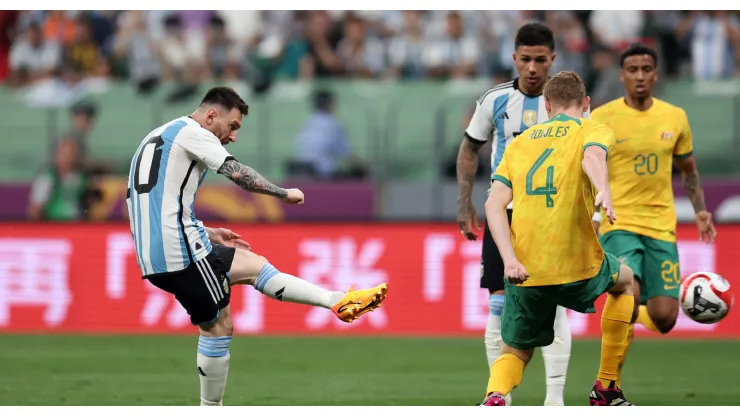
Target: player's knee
(664, 319)
(228, 326)
(665, 324)
(246, 267)
(222, 327)
(524, 355)
(625, 282)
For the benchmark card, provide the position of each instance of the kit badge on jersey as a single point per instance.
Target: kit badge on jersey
(529, 118)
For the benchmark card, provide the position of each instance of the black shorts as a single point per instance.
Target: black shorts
(492, 265)
(203, 288)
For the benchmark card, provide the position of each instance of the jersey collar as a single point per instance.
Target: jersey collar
(516, 87)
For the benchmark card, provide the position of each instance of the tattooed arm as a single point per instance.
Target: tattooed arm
(249, 180)
(467, 166)
(690, 175)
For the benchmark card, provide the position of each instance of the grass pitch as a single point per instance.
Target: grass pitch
(160, 370)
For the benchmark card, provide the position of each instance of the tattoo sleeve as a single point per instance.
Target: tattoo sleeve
(467, 166)
(693, 188)
(250, 180)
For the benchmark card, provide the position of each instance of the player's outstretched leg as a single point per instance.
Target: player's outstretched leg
(213, 358)
(615, 323)
(556, 357)
(252, 269)
(506, 374)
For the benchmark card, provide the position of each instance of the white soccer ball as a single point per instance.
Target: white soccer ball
(706, 297)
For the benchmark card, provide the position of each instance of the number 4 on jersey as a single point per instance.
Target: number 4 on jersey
(549, 189)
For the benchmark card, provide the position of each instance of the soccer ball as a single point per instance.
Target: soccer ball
(706, 297)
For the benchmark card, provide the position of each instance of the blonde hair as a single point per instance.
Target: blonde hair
(565, 89)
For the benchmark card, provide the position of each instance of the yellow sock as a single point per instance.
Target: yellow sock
(506, 374)
(615, 325)
(643, 318)
(630, 335)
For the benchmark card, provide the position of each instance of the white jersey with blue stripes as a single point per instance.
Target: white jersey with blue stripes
(502, 113)
(166, 171)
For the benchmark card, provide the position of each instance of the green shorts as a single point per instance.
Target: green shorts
(529, 312)
(654, 262)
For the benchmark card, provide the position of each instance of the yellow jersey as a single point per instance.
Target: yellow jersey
(641, 163)
(554, 200)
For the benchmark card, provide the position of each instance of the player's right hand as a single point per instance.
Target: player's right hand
(515, 272)
(467, 221)
(604, 200)
(294, 196)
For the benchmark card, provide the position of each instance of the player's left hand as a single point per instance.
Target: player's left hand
(707, 232)
(228, 238)
(515, 272)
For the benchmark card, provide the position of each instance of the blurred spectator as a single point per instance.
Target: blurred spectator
(456, 55)
(223, 56)
(498, 28)
(406, 50)
(102, 27)
(32, 57)
(60, 26)
(361, 56)
(321, 59)
(182, 55)
(8, 19)
(663, 26)
(617, 28)
(134, 46)
(83, 55)
(63, 191)
(322, 145)
(242, 27)
(570, 41)
(82, 116)
(714, 37)
(608, 85)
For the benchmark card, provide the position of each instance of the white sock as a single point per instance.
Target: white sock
(213, 369)
(284, 287)
(493, 333)
(556, 357)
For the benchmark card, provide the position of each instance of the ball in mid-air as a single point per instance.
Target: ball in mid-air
(706, 297)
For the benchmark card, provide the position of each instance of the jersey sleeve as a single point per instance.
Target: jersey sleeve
(481, 125)
(598, 135)
(203, 146)
(684, 146)
(502, 173)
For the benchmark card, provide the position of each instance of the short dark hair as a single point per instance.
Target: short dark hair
(638, 49)
(534, 34)
(227, 98)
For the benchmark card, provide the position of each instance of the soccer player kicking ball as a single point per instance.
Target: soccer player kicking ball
(197, 264)
(502, 113)
(551, 253)
(649, 134)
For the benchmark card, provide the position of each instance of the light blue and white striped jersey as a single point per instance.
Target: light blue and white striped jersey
(166, 171)
(503, 112)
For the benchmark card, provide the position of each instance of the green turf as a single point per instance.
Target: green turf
(157, 370)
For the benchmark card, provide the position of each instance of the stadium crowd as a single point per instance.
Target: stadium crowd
(194, 46)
